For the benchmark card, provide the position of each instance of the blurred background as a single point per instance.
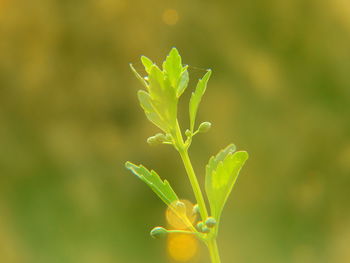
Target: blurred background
(69, 119)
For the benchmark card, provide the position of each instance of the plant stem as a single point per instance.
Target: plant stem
(194, 183)
(183, 151)
(213, 250)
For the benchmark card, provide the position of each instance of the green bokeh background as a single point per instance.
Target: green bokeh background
(69, 119)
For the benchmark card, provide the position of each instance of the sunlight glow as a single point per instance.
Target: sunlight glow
(170, 17)
(182, 247)
(177, 222)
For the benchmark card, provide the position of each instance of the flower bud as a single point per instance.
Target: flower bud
(210, 222)
(205, 229)
(160, 137)
(158, 232)
(200, 226)
(195, 209)
(204, 127)
(168, 137)
(156, 139)
(180, 207)
(152, 141)
(188, 133)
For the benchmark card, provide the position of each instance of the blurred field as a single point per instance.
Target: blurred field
(69, 119)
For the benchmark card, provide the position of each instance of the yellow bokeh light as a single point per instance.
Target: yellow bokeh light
(3, 5)
(182, 247)
(174, 218)
(170, 17)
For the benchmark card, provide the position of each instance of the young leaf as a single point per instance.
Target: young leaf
(173, 67)
(221, 174)
(152, 179)
(163, 97)
(183, 82)
(147, 63)
(214, 160)
(138, 76)
(196, 98)
(164, 88)
(151, 113)
(156, 82)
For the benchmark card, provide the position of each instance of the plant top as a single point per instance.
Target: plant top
(159, 99)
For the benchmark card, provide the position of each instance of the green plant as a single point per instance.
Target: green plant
(160, 101)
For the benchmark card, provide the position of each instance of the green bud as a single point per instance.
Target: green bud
(180, 207)
(200, 226)
(158, 232)
(210, 222)
(168, 137)
(205, 229)
(204, 127)
(188, 133)
(156, 139)
(195, 209)
(152, 141)
(160, 137)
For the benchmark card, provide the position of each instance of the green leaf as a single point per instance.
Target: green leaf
(156, 83)
(151, 113)
(147, 63)
(197, 97)
(160, 102)
(214, 160)
(221, 174)
(183, 82)
(173, 67)
(138, 76)
(152, 179)
(163, 97)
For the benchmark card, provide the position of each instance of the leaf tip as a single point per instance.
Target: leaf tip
(208, 74)
(243, 155)
(174, 51)
(147, 63)
(246, 154)
(128, 165)
(231, 147)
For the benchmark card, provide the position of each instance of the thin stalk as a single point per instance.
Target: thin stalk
(213, 250)
(183, 232)
(183, 151)
(194, 183)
